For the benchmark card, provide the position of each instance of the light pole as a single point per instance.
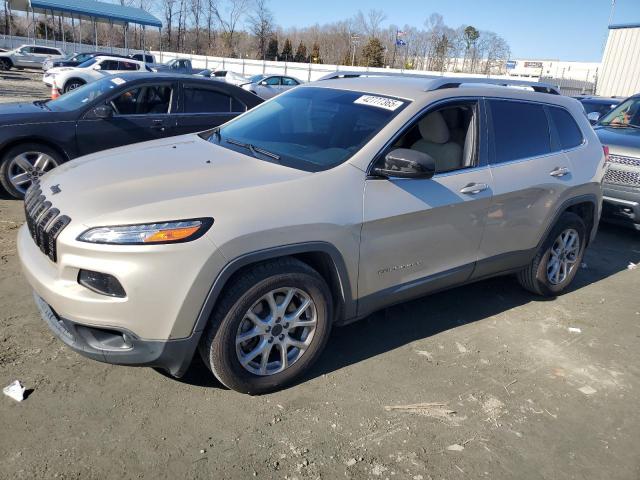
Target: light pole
(354, 42)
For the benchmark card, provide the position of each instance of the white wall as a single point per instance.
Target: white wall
(620, 74)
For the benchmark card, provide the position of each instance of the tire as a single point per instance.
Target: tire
(73, 84)
(537, 276)
(218, 346)
(5, 64)
(12, 164)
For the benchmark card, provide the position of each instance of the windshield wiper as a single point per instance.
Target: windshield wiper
(252, 148)
(620, 125)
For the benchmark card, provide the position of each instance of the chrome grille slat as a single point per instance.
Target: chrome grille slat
(622, 177)
(44, 222)
(624, 160)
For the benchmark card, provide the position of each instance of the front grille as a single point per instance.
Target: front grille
(44, 222)
(622, 177)
(634, 162)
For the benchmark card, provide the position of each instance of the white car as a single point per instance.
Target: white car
(268, 86)
(70, 78)
(229, 77)
(28, 56)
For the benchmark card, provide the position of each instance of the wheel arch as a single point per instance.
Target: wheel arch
(585, 206)
(71, 79)
(321, 256)
(33, 139)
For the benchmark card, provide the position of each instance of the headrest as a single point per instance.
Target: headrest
(433, 128)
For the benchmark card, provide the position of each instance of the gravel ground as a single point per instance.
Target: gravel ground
(22, 86)
(484, 381)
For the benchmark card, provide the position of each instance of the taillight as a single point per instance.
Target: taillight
(605, 148)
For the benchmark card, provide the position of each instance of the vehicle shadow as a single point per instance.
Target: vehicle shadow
(399, 325)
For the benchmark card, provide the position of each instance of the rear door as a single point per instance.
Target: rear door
(531, 175)
(205, 106)
(141, 113)
(288, 83)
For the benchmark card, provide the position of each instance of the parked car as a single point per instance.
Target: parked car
(229, 77)
(596, 107)
(75, 59)
(28, 56)
(144, 57)
(113, 111)
(268, 86)
(335, 199)
(177, 65)
(70, 78)
(619, 131)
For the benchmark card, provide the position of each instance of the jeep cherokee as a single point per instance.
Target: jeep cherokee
(250, 241)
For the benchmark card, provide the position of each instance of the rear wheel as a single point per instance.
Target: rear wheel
(558, 260)
(269, 327)
(5, 64)
(24, 163)
(73, 84)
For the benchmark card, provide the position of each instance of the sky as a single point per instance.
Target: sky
(570, 30)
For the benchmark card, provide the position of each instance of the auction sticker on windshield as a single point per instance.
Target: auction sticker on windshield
(380, 102)
(118, 81)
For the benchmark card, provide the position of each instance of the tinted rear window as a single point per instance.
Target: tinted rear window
(201, 100)
(520, 130)
(569, 133)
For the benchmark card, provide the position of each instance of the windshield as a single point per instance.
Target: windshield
(80, 57)
(83, 95)
(88, 63)
(256, 78)
(310, 128)
(627, 114)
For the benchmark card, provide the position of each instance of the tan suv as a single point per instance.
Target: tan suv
(322, 205)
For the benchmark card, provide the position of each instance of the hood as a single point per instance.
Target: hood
(163, 179)
(20, 113)
(621, 141)
(59, 69)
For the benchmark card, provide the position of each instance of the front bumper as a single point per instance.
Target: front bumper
(621, 205)
(47, 79)
(119, 347)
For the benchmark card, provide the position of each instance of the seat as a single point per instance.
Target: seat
(436, 142)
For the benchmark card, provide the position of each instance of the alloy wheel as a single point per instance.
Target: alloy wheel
(563, 256)
(276, 331)
(27, 166)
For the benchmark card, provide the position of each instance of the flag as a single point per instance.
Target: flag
(400, 33)
(400, 43)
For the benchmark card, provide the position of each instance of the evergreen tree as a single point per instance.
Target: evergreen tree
(287, 51)
(301, 53)
(373, 53)
(315, 53)
(272, 49)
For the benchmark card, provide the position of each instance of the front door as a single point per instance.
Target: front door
(419, 235)
(140, 113)
(270, 89)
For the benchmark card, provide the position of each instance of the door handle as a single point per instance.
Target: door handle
(559, 172)
(474, 188)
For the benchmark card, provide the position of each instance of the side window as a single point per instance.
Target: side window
(449, 135)
(153, 99)
(44, 51)
(569, 133)
(27, 50)
(273, 81)
(289, 82)
(109, 65)
(128, 66)
(520, 130)
(202, 100)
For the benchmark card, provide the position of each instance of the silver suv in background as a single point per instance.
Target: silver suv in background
(249, 242)
(28, 56)
(619, 132)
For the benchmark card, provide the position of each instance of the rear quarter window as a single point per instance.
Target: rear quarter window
(569, 134)
(520, 130)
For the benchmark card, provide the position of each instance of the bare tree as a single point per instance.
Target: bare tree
(261, 26)
(370, 24)
(196, 13)
(228, 18)
(169, 12)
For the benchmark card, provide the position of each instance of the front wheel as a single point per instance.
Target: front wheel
(269, 327)
(72, 85)
(5, 64)
(558, 260)
(24, 163)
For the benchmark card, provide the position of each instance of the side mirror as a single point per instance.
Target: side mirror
(593, 117)
(97, 67)
(103, 111)
(263, 83)
(407, 163)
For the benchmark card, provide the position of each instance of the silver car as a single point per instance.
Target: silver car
(268, 86)
(28, 56)
(251, 241)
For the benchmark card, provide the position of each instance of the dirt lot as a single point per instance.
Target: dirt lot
(22, 86)
(485, 381)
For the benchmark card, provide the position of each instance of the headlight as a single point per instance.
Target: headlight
(149, 233)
